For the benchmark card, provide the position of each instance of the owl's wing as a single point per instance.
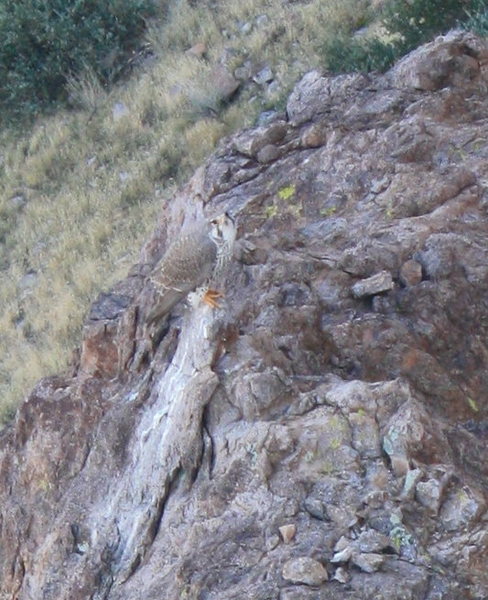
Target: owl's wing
(163, 306)
(186, 265)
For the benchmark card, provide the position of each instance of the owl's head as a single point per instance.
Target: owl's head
(223, 230)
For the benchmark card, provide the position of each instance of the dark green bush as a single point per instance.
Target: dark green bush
(43, 42)
(346, 54)
(408, 24)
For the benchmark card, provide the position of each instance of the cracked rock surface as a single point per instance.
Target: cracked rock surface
(324, 433)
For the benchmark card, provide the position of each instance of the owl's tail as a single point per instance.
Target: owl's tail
(163, 306)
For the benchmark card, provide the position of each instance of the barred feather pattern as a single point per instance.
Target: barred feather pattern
(193, 261)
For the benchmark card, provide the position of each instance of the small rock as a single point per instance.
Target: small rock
(246, 28)
(368, 562)
(275, 132)
(403, 542)
(249, 254)
(123, 176)
(343, 516)
(342, 556)
(119, 111)
(411, 479)
(342, 542)
(341, 575)
(365, 435)
(287, 532)
(249, 144)
(396, 517)
(268, 154)
(375, 499)
(304, 570)
(463, 506)
(316, 508)
(411, 273)
(108, 306)
(380, 282)
(243, 73)
(18, 201)
(224, 83)
(428, 493)
(28, 281)
(313, 137)
(264, 76)
(372, 541)
(262, 20)
(198, 50)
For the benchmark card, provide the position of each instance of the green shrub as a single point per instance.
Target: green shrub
(406, 25)
(44, 42)
(345, 54)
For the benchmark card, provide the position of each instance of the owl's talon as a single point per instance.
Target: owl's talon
(210, 298)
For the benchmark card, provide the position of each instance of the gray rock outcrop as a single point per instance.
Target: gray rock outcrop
(321, 435)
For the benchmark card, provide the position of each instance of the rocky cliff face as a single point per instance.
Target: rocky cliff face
(321, 435)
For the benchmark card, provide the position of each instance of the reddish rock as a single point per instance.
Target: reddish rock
(224, 83)
(411, 273)
(99, 351)
(305, 570)
(313, 137)
(198, 50)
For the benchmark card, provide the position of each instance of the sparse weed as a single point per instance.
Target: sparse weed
(85, 90)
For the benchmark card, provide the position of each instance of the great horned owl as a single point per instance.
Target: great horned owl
(192, 262)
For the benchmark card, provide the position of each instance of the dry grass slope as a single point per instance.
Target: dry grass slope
(81, 190)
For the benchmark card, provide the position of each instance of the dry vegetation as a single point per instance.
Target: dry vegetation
(82, 189)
